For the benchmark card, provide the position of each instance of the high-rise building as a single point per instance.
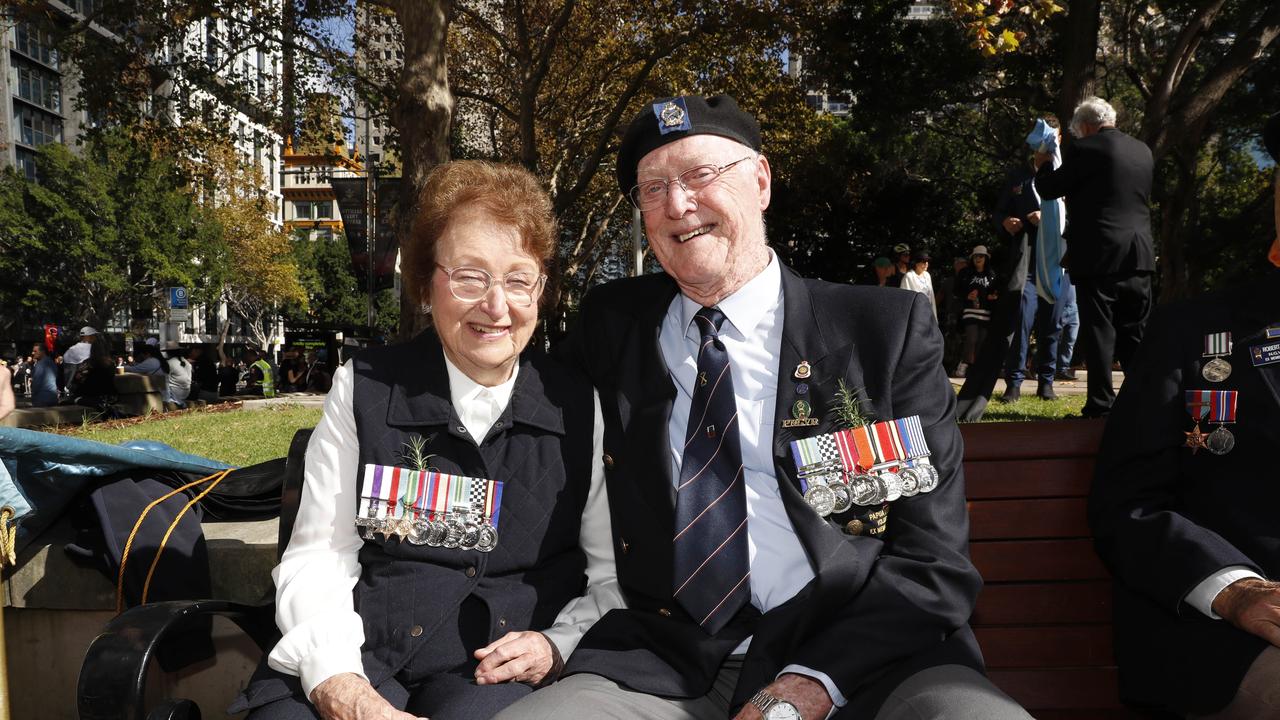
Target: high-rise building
(379, 55)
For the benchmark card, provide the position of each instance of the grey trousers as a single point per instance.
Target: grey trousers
(954, 692)
(1259, 695)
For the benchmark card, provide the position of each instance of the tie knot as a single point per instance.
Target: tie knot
(709, 321)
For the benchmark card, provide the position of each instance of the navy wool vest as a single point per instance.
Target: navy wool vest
(409, 596)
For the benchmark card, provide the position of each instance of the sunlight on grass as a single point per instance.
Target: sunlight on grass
(238, 437)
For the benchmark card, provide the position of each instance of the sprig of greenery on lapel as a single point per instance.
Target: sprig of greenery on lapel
(414, 454)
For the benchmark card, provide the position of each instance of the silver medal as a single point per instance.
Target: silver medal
(1220, 441)
(821, 498)
(910, 480)
(436, 532)
(844, 498)
(867, 490)
(470, 536)
(1216, 370)
(928, 476)
(456, 529)
(488, 538)
(892, 484)
(418, 532)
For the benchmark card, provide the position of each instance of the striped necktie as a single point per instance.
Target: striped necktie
(711, 567)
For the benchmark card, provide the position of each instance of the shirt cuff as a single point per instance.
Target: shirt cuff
(323, 664)
(1202, 596)
(837, 700)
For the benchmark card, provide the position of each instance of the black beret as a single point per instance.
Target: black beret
(666, 120)
(1271, 137)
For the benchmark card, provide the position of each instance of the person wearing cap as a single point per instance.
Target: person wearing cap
(741, 599)
(901, 260)
(977, 290)
(919, 280)
(1183, 507)
(79, 352)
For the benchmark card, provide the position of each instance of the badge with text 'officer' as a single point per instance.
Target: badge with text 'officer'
(1216, 406)
(430, 508)
(1217, 346)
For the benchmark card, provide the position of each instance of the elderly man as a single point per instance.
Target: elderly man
(1183, 503)
(1105, 178)
(743, 599)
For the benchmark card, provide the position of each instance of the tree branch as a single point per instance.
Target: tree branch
(486, 100)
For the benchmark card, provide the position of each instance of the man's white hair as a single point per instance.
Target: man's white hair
(1092, 111)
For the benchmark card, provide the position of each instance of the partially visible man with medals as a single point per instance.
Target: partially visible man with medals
(1191, 536)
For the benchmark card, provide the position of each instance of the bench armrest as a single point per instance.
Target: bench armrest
(113, 676)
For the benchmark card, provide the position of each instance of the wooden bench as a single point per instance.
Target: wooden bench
(1044, 616)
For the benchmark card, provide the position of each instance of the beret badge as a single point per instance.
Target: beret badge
(672, 115)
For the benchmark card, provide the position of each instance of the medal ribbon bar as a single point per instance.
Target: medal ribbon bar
(912, 435)
(1216, 344)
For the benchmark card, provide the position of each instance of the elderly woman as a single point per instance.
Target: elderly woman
(453, 540)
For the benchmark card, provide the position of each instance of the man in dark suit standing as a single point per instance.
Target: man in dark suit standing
(1184, 501)
(1105, 178)
(752, 604)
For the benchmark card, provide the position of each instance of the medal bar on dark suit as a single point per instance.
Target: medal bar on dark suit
(1217, 346)
(1198, 409)
(1222, 411)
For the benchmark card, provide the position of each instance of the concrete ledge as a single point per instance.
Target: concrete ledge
(35, 417)
(241, 556)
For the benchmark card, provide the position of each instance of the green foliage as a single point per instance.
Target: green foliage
(99, 233)
(334, 297)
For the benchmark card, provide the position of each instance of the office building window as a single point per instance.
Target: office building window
(39, 86)
(26, 162)
(36, 44)
(313, 210)
(36, 128)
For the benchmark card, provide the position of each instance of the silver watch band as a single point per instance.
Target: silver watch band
(762, 700)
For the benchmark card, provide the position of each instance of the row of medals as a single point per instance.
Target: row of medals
(838, 491)
(462, 531)
(1220, 441)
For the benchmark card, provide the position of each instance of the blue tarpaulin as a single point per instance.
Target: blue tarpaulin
(41, 473)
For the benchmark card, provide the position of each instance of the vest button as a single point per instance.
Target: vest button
(471, 572)
(502, 622)
(416, 631)
(462, 430)
(626, 546)
(664, 612)
(497, 424)
(608, 461)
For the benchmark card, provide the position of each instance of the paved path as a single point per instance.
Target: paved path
(1061, 387)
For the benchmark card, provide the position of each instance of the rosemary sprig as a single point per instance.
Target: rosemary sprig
(414, 453)
(846, 407)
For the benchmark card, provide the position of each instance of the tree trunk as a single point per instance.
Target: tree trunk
(1176, 215)
(1079, 56)
(423, 113)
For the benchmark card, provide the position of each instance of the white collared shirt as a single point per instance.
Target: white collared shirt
(752, 336)
(321, 632)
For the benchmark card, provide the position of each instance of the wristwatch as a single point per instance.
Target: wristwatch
(773, 708)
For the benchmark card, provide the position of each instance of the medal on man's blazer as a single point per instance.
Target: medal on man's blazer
(1216, 406)
(1217, 346)
(800, 411)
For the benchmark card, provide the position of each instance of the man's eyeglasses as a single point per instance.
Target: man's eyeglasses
(470, 284)
(652, 193)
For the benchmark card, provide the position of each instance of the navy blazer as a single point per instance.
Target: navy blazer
(1106, 180)
(878, 608)
(1165, 519)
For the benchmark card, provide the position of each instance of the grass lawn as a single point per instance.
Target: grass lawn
(1030, 407)
(238, 437)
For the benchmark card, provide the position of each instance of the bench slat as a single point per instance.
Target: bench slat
(1044, 603)
(1065, 477)
(1061, 688)
(1046, 646)
(1029, 560)
(1032, 440)
(1032, 519)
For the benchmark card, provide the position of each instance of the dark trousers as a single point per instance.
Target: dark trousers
(1113, 315)
(1042, 318)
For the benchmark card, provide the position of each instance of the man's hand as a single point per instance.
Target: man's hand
(527, 657)
(1041, 158)
(807, 694)
(1012, 225)
(350, 697)
(1253, 605)
(1033, 217)
(973, 295)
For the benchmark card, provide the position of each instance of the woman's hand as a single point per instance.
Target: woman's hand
(350, 697)
(527, 657)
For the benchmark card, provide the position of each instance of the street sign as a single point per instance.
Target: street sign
(179, 307)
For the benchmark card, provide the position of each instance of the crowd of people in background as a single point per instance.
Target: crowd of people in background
(85, 372)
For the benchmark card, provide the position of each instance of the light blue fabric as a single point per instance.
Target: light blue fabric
(1053, 218)
(42, 472)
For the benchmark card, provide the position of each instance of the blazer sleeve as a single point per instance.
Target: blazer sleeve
(922, 586)
(1052, 184)
(1135, 508)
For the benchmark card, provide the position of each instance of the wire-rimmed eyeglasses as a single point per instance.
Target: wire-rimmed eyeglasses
(652, 193)
(470, 284)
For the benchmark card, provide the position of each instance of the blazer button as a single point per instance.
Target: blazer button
(502, 622)
(416, 631)
(608, 461)
(471, 571)
(664, 612)
(625, 545)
